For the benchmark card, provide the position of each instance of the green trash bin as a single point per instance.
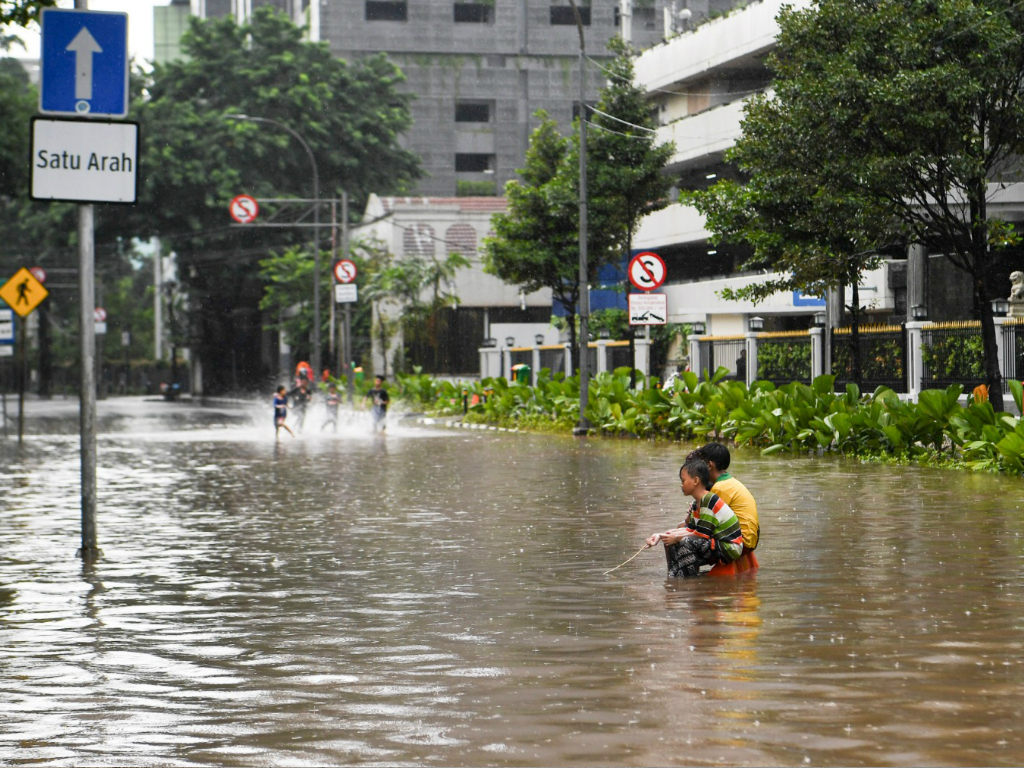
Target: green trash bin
(522, 373)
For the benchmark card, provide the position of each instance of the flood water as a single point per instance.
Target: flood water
(437, 597)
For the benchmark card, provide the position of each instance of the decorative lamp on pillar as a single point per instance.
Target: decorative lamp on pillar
(510, 341)
(1000, 307)
(606, 334)
(819, 320)
(490, 342)
(698, 328)
(919, 312)
(756, 323)
(538, 339)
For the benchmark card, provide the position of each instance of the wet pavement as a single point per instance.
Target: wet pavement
(435, 597)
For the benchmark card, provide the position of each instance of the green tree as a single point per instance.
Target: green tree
(21, 12)
(912, 111)
(536, 243)
(195, 160)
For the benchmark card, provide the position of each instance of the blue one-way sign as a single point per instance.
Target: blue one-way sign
(84, 63)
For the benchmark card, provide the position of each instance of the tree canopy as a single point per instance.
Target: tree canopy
(536, 243)
(890, 121)
(21, 12)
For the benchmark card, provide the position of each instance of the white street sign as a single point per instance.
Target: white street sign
(345, 271)
(6, 326)
(6, 350)
(648, 309)
(345, 293)
(85, 161)
(101, 328)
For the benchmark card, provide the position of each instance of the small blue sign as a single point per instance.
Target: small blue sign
(84, 63)
(800, 299)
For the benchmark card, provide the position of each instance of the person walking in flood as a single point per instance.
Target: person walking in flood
(301, 397)
(333, 401)
(380, 398)
(711, 533)
(281, 413)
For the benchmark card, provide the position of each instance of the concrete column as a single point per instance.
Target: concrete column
(1001, 349)
(917, 278)
(602, 355)
(695, 354)
(751, 359)
(535, 363)
(642, 357)
(817, 352)
(915, 360)
(568, 360)
(506, 363)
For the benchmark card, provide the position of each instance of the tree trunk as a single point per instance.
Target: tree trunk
(993, 376)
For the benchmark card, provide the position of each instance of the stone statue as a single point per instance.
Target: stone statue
(1017, 294)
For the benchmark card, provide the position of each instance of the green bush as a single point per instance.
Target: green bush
(783, 360)
(954, 357)
(795, 417)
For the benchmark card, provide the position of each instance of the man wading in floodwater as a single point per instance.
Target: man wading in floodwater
(380, 398)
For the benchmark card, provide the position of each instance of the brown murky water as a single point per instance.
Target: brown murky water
(436, 597)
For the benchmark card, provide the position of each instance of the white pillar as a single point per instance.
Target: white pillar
(535, 363)
(695, 354)
(817, 352)
(915, 360)
(642, 357)
(751, 359)
(568, 360)
(602, 355)
(506, 367)
(1001, 348)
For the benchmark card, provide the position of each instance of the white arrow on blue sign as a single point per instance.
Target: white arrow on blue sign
(84, 63)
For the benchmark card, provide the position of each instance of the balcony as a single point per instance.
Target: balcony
(704, 136)
(675, 225)
(723, 44)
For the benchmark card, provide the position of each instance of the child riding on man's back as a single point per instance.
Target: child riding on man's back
(711, 533)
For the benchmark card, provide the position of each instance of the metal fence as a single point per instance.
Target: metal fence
(553, 357)
(1013, 346)
(883, 357)
(952, 353)
(619, 355)
(784, 356)
(728, 351)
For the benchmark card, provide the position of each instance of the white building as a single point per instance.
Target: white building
(488, 308)
(699, 81)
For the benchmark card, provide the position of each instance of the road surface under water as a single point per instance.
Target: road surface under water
(436, 597)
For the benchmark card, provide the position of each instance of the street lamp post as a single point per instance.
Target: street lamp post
(316, 229)
(584, 338)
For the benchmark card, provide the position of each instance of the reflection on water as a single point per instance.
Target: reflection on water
(435, 596)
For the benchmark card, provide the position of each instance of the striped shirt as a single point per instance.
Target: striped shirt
(716, 520)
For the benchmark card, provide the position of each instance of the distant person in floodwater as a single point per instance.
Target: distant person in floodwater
(333, 401)
(281, 412)
(732, 491)
(301, 397)
(711, 533)
(380, 398)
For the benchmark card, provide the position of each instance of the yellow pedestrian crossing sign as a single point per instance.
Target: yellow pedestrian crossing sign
(23, 292)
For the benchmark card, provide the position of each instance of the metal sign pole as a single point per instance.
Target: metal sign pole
(332, 340)
(21, 379)
(87, 347)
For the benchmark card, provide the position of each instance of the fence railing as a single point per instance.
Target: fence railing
(883, 357)
(727, 351)
(1013, 348)
(784, 356)
(619, 355)
(952, 353)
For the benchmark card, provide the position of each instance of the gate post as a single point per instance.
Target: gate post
(817, 352)
(751, 372)
(915, 360)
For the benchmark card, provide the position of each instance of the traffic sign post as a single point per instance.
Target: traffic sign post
(346, 293)
(244, 209)
(23, 292)
(648, 309)
(647, 271)
(345, 271)
(84, 63)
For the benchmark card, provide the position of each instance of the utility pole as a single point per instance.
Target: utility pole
(584, 340)
(332, 339)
